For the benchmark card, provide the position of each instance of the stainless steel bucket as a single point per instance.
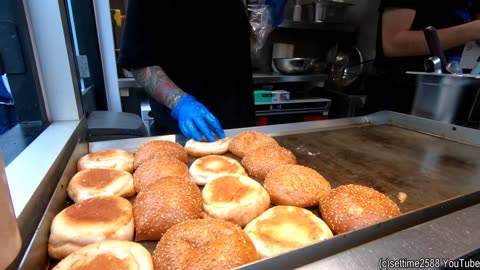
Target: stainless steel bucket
(445, 97)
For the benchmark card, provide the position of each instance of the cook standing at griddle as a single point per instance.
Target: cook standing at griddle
(193, 59)
(401, 45)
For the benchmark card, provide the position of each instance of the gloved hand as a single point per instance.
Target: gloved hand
(195, 120)
(276, 10)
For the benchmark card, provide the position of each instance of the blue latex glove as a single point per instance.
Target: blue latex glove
(195, 120)
(276, 10)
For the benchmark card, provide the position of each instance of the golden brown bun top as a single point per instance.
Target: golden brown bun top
(296, 185)
(260, 161)
(274, 220)
(156, 168)
(157, 148)
(107, 158)
(229, 188)
(104, 261)
(204, 244)
(108, 254)
(284, 228)
(203, 148)
(99, 209)
(97, 178)
(218, 164)
(249, 140)
(351, 207)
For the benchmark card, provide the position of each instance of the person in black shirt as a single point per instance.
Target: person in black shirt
(193, 59)
(401, 45)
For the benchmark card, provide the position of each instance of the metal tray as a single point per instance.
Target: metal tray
(435, 164)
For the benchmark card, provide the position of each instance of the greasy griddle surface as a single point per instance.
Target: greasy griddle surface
(390, 159)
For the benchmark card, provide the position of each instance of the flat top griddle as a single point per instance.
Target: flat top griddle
(391, 159)
(436, 164)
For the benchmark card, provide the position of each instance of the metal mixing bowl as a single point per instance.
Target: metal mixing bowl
(294, 65)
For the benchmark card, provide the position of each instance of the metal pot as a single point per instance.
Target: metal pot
(292, 66)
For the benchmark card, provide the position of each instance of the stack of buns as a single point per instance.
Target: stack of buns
(238, 200)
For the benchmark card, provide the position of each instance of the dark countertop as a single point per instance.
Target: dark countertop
(14, 141)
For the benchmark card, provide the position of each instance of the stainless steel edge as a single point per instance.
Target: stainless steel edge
(435, 128)
(441, 240)
(31, 220)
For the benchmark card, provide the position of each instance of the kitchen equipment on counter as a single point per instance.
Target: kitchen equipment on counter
(292, 66)
(320, 11)
(347, 67)
(448, 98)
(330, 11)
(434, 46)
(9, 232)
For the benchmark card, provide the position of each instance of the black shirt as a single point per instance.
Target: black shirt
(389, 87)
(203, 46)
(437, 13)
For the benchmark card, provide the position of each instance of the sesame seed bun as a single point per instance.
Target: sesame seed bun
(295, 185)
(204, 244)
(89, 183)
(260, 161)
(351, 207)
(108, 158)
(249, 140)
(200, 149)
(158, 167)
(163, 204)
(281, 229)
(157, 148)
(108, 254)
(235, 198)
(207, 168)
(89, 221)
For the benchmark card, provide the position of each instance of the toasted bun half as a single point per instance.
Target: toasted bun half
(163, 204)
(89, 221)
(295, 185)
(260, 161)
(107, 159)
(235, 198)
(350, 207)
(159, 148)
(204, 244)
(249, 140)
(159, 167)
(200, 149)
(206, 168)
(281, 229)
(90, 183)
(108, 254)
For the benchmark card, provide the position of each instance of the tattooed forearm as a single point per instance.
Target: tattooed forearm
(157, 84)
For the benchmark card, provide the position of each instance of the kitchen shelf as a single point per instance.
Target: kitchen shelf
(323, 26)
(272, 77)
(275, 77)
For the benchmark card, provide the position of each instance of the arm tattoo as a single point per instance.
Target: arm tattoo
(158, 85)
